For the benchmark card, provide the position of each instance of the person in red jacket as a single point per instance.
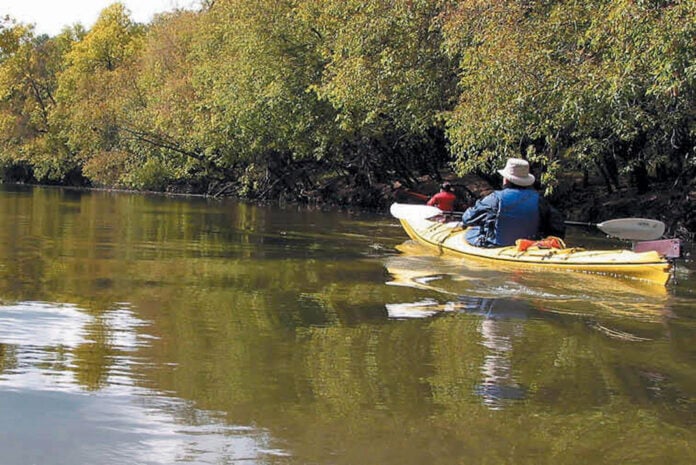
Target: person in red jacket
(445, 199)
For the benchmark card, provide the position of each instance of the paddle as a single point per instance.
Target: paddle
(632, 229)
(405, 211)
(417, 195)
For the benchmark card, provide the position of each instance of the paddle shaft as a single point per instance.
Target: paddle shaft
(580, 223)
(569, 223)
(417, 195)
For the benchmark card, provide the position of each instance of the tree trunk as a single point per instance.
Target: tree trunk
(605, 176)
(640, 178)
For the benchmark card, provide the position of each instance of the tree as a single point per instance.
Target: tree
(254, 64)
(93, 92)
(598, 85)
(161, 121)
(31, 145)
(388, 79)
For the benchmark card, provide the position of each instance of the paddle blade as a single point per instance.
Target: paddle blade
(408, 211)
(633, 229)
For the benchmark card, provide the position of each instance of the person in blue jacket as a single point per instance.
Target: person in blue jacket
(517, 211)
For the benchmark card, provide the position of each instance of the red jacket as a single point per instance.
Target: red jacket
(443, 200)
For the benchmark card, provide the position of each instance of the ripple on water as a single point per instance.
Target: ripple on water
(46, 340)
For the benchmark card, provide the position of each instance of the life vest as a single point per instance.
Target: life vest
(518, 216)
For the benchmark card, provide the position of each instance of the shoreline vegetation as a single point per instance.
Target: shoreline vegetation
(357, 103)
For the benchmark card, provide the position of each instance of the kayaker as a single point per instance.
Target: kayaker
(517, 211)
(445, 199)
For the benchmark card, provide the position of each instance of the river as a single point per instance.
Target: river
(142, 329)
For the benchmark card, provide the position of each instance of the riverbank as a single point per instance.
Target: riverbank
(673, 205)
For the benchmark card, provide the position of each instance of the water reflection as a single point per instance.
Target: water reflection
(502, 321)
(565, 293)
(72, 373)
(148, 330)
(69, 428)
(498, 382)
(504, 304)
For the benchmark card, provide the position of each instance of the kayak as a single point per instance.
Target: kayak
(449, 238)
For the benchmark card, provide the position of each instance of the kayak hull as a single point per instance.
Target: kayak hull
(449, 239)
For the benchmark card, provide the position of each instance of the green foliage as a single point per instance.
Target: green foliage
(28, 79)
(12, 35)
(153, 175)
(287, 96)
(259, 97)
(384, 68)
(583, 84)
(160, 123)
(96, 85)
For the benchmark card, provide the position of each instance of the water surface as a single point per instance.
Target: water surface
(156, 330)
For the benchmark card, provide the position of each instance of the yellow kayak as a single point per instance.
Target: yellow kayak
(449, 238)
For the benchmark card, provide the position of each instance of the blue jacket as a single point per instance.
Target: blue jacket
(504, 216)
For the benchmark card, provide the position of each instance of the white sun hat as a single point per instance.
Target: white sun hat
(517, 172)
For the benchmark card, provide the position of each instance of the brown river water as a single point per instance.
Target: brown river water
(141, 329)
